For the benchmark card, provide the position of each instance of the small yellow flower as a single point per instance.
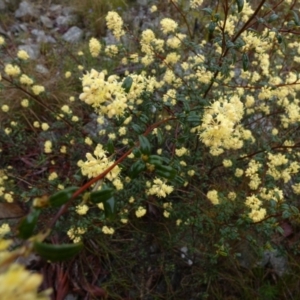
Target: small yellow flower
(45, 126)
(4, 229)
(82, 209)
(52, 176)
(213, 197)
(63, 149)
(5, 108)
(36, 124)
(68, 74)
(140, 212)
(153, 8)
(95, 47)
(25, 103)
(22, 54)
(37, 89)
(108, 230)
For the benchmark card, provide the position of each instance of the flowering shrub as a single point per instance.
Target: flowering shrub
(195, 140)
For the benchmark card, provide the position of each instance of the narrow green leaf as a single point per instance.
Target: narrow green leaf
(240, 5)
(155, 160)
(137, 128)
(136, 168)
(57, 252)
(110, 146)
(144, 118)
(245, 60)
(27, 225)
(193, 118)
(61, 197)
(296, 18)
(110, 208)
(208, 10)
(212, 27)
(179, 180)
(100, 196)
(273, 18)
(127, 83)
(144, 145)
(165, 171)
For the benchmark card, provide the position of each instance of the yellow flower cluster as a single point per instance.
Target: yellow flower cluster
(12, 70)
(115, 23)
(75, 234)
(106, 96)
(219, 128)
(95, 165)
(252, 173)
(140, 212)
(22, 54)
(168, 25)
(159, 188)
(24, 79)
(82, 209)
(95, 47)
(108, 230)
(37, 89)
(213, 197)
(195, 3)
(257, 212)
(48, 147)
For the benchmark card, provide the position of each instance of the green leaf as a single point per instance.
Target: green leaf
(179, 180)
(110, 146)
(192, 117)
(57, 252)
(272, 18)
(240, 5)
(165, 171)
(61, 197)
(208, 10)
(296, 18)
(144, 119)
(155, 160)
(127, 83)
(212, 27)
(144, 145)
(245, 60)
(100, 196)
(136, 169)
(110, 208)
(137, 128)
(28, 223)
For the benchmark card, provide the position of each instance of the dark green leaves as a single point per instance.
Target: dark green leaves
(105, 195)
(57, 252)
(62, 197)
(165, 171)
(145, 145)
(245, 60)
(28, 223)
(136, 169)
(127, 83)
(273, 18)
(296, 18)
(240, 5)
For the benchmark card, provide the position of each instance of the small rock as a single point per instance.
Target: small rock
(2, 5)
(73, 35)
(26, 11)
(41, 37)
(41, 69)
(47, 22)
(63, 20)
(33, 50)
